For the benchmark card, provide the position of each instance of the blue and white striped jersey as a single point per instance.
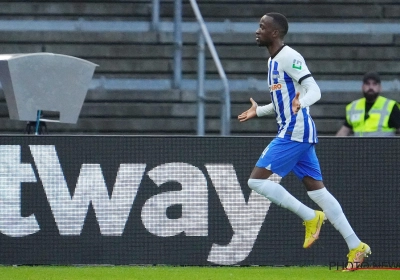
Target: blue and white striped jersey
(286, 70)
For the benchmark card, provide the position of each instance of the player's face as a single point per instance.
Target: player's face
(266, 33)
(371, 90)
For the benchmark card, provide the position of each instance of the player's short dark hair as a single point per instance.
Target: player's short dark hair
(371, 76)
(281, 21)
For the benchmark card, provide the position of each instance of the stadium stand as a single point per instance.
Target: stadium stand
(131, 91)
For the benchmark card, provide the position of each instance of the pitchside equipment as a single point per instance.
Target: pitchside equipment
(37, 82)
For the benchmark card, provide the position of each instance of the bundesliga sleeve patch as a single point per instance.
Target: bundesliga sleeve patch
(296, 64)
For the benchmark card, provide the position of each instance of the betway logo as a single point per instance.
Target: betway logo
(112, 211)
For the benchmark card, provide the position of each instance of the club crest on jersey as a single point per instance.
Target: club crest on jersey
(275, 74)
(296, 64)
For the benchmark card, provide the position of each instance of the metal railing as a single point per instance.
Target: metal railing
(203, 35)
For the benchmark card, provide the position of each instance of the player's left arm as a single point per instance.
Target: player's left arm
(312, 95)
(297, 68)
(312, 92)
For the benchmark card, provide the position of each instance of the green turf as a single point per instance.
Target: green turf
(186, 273)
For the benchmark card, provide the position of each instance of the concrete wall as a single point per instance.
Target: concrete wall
(117, 36)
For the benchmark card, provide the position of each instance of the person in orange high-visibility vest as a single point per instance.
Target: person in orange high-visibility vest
(373, 115)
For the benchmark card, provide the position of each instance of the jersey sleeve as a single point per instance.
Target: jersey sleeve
(296, 67)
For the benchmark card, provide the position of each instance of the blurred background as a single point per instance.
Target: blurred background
(152, 59)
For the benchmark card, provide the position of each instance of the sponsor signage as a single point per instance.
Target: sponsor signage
(155, 200)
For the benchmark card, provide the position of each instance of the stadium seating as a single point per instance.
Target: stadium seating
(132, 93)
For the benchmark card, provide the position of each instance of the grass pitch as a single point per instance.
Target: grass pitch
(186, 273)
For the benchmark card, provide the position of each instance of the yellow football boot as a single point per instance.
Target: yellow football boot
(313, 228)
(356, 256)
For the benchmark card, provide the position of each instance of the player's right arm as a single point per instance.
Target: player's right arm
(256, 111)
(249, 114)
